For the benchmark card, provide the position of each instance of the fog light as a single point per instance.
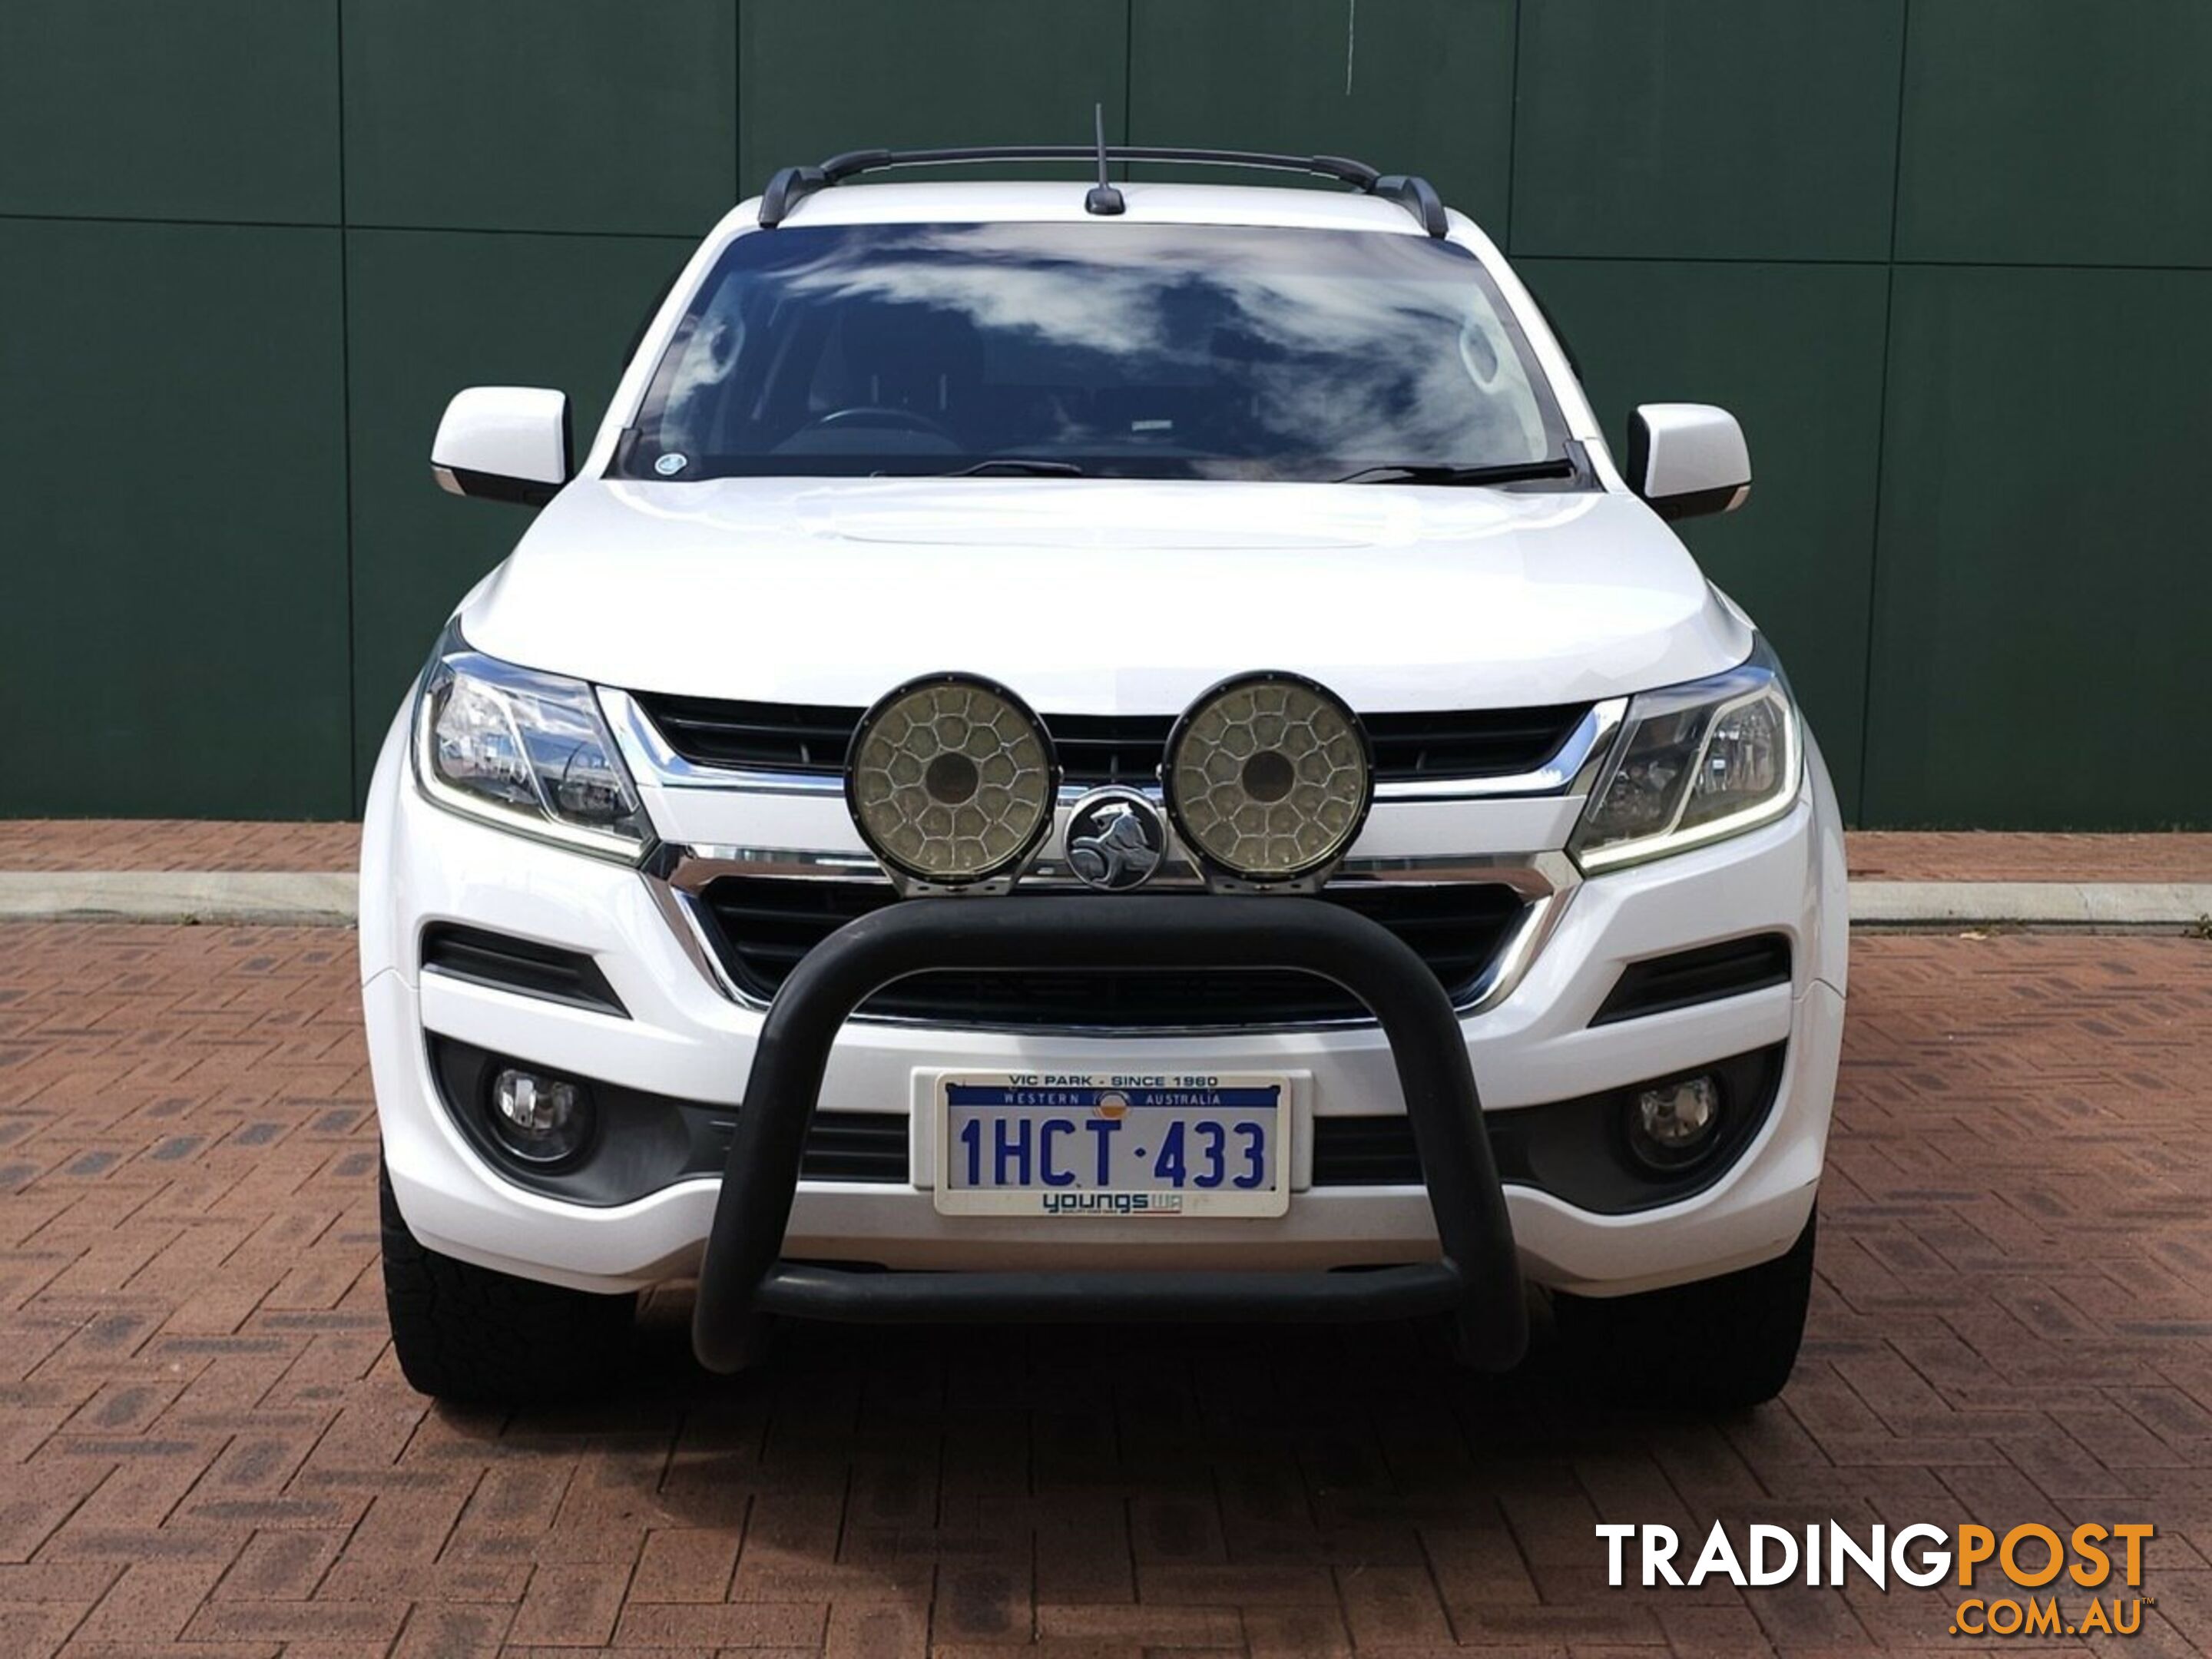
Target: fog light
(1267, 779)
(540, 1119)
(1672, 1125)
(950, 780)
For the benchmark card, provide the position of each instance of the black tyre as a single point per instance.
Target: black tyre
(1718, 1345)
(470, 1335)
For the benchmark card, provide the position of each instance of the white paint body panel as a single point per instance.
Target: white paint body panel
(1104, 596)
(505, 432)
(1693, 448)
(1098, 597)
(421, 863)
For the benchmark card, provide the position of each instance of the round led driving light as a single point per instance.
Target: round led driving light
(950, 780)
(1269, 778)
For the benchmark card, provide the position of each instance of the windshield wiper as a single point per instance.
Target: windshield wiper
(1502, 472)
(1029, 465)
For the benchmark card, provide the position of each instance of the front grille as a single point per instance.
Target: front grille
(763, 924)
(1365, 1151)
(1096, 750)
(763, 737)
(851, 1147)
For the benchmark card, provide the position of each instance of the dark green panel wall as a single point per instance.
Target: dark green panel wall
(2077, 133)
(1707, 128)
(818, 77)
(173, 427)
(1796, 351)
(2040, 636)
(1949, 261)
(1431, 79)
(215, 109)
(581, 115)
(429, 311)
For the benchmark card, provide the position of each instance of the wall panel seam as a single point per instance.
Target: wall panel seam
(340, 224)
(1128, 74)
(354, 793)
(1512, 132)
(1628, 256)
(1866, 769)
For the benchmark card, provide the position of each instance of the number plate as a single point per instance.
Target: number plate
(1112, 1144)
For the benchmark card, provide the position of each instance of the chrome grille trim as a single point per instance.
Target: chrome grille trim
(651, 760)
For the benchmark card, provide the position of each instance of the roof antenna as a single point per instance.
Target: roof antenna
(1102, 197)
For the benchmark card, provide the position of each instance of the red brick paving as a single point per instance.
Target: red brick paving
(1875, 854)
(205, 1449)
(1981, 855)
(175, 844)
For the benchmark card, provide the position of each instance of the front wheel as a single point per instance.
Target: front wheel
(467, 1334)
(1717, 1345)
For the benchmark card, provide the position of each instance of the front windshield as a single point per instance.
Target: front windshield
(1113, 349)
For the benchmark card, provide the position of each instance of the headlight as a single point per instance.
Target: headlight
(525, 750)
(1267, 779)
(1695, 763)
(951, 781)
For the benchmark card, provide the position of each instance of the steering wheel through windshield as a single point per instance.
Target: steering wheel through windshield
(864, 414)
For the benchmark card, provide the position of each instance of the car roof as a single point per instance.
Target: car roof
(983, 201)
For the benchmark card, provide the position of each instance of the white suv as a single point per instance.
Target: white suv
(1100, 754)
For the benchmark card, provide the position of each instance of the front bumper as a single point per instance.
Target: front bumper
(1475, 1276)
(685, 1039)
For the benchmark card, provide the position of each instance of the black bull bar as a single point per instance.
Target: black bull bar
(1477, 1280)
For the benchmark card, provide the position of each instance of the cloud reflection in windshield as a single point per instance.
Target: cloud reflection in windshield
(1290, 347)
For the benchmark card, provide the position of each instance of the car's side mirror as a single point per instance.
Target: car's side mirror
(504, 443)
(1687, 459)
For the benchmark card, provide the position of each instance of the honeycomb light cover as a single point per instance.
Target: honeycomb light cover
(951, 781)
(1269, 778)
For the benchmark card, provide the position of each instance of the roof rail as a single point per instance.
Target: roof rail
(790, 185)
